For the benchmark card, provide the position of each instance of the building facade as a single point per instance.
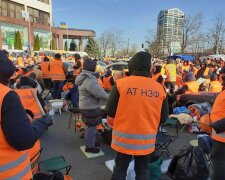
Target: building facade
(170, 30)
(38, 22)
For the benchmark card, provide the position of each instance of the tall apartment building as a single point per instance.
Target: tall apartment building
(11, 20)
(170, 29)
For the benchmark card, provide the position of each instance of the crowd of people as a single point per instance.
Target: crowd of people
(138, 99)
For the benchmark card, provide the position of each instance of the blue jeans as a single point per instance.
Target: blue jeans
(122, 162)
(57, 89)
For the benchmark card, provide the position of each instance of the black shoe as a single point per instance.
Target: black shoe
(92, 150)
(97, 144)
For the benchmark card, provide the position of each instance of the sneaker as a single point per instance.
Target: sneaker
(92, 150)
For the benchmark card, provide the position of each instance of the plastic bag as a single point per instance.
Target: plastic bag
(189, 164)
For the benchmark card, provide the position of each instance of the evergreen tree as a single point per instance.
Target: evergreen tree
(15, 40)
(65, 46)
(92, 48)
(73, 45)
(20, 46)
(52, 44)
(36, 43)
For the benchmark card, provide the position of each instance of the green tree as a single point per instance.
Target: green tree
(92, 48)
(37, 43)
(73, 45)
(65, 46)
(15, 40)
(20, 46)
(52, 44)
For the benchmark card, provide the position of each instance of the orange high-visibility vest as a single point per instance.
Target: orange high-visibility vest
(13, 164)
(100, 82)
(29, 102)
(20, 62)
(56, 70)
(215, 86)
(45, 70)
(179, 81)
(187, 68)
(192, 87)
(218, 113)
(68, 86)
(106, 83)
(29, 73)
(135, 127)
(206, 72)
(171, 72)
(156, 76)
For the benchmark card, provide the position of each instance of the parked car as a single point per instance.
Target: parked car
(116, 67)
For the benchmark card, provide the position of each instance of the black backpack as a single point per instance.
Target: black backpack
(46, 175)
(189, 164)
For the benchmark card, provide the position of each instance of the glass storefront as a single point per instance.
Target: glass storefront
(45, 38)
(8, 34)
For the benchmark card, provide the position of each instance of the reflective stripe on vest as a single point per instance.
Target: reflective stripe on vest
(56, 70)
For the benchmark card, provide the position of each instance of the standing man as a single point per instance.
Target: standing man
(57, 75)
(17, 134)
(138, 103)
(78, 65)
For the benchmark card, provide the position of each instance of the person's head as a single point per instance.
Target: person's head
(7, 69)
(46, 59)
(204, 64)
(89, 65)
(27, 81)
(6, 53)
(213, 77)
(186, 63)
(77, 57)
(157, 68)
(108, 72)
(189, 77)
(140, 64)
(170, 61)
(58, 56)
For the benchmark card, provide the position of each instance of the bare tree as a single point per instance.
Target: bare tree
(191, 26)
(116, 40)
(217, 32)
(105, 41)
(199, 44)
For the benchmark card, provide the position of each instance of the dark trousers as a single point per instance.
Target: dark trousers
(218, 160)
(57, 89)
(170, 86)
(48, 83)
(122, 162)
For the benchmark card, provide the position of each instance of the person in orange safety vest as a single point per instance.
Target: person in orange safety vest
(17, 134)
(58, 76)
(108, 81)
(217, 118)
(191, 85)
(78, 65)
(134, 136)
(45, 67)
(157, 74)
(215, 85)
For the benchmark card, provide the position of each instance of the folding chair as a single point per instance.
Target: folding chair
(162, 143)
(74, 112)
(57, 163)
(175, 123)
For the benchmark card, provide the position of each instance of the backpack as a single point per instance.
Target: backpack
(189, 164)
(46, 175)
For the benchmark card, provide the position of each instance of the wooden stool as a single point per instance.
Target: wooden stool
(74, 112)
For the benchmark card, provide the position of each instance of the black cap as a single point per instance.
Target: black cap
(57, 56)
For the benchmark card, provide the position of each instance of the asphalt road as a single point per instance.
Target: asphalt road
(61, 141)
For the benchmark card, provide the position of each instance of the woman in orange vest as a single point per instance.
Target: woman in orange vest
(171, 75)
(44, 66)
(204, 71)
(215, 85)
(108, 81)
(186, 66)
(17, 134)
(217, 156)
(134, 136)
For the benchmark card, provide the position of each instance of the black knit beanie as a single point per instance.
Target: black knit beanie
(7, 68)
(89, 65)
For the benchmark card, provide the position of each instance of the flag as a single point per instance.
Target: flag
(63, 25)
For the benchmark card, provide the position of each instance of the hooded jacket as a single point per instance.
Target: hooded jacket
(137, 67)
(90, 92)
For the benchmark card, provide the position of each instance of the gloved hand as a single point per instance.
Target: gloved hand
(48, 119)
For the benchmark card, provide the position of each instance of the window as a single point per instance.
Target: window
(37, 16)
(44, 1)
(11, 9)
